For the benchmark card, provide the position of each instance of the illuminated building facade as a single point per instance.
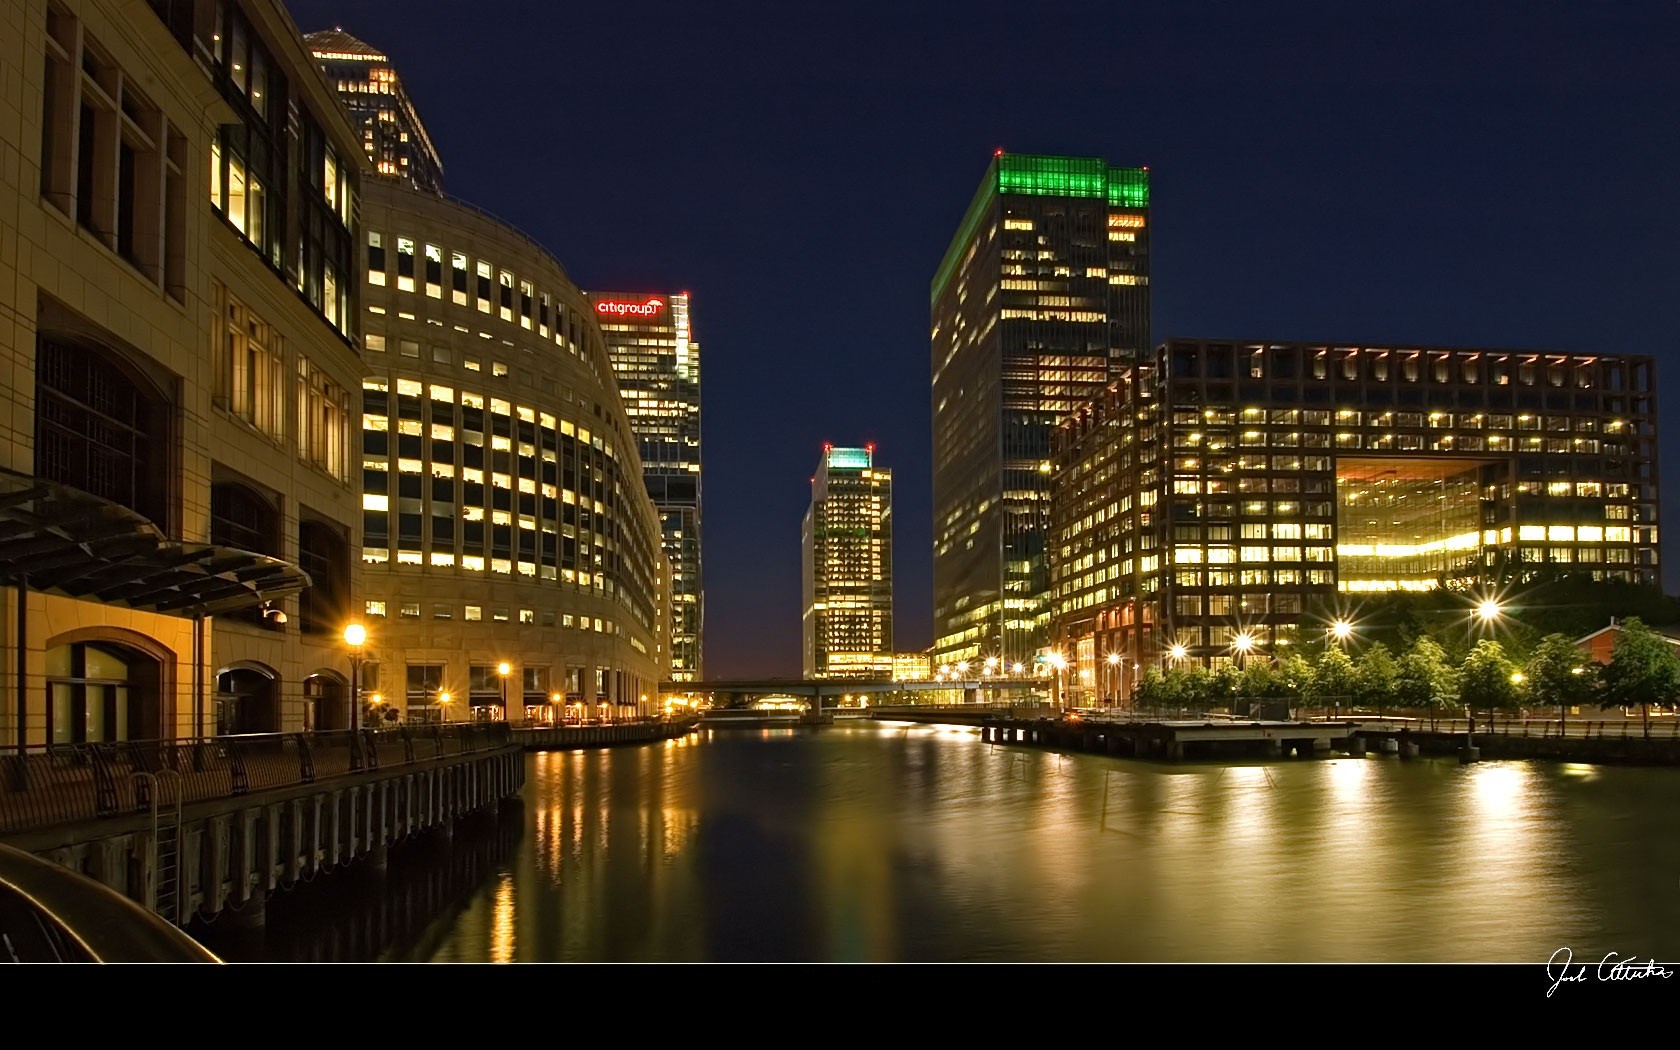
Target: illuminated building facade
(505, 520)
(1219, 489)
(847, 553)
(1042, 298)
(370, 90)
(180, 346)
(650, 339)
(911, 667)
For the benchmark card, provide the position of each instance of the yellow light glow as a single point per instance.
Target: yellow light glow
(354, 635)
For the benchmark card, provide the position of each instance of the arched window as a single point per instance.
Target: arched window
(100, 692)
(98, 430)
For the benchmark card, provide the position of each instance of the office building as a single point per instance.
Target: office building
(1227, 496)
(179, 516)
(371, 92)
(505, 521)
(650, 339)
(1040, 301)
(847, 559)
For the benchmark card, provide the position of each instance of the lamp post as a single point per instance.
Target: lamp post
(443, 705)
(1113, 672)
(354, 636)
(502, 671)
(554, 700)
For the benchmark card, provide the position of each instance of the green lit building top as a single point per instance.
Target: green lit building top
(1040, 300)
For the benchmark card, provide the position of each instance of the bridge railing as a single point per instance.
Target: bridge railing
(57, 784)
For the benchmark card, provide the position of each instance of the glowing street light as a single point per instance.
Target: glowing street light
(504, 669)
(962, 668)
(443, 705)
(1178, 652)
(1113, 659)
(991, 664)
(1488, 610)
(1518, 678)
(1243, 642)
(1019, 667)
(355, 635)
(1342, 630)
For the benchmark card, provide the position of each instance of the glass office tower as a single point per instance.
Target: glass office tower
(847, 553)
(650, 339)
(1220, 490)
(1042, 298)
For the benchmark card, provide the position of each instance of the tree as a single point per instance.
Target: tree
(1222, 686)
(1487, 679)
(1152, 689)
(1423, 679)
(1294, 677)
(1374, 677)
(1335, 677)
(1560, 674)
(1644, 669)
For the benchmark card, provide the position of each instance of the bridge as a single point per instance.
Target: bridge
(724, 691)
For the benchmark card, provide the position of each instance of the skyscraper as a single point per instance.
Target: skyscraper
(1041, 299)
(657, 362)
(847, 554)
(369, 88)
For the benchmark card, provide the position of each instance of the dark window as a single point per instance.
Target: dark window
(324, 555)
(98, 431)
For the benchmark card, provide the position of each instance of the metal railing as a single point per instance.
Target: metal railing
(49, 913)
(1664, 728)
(58, 784)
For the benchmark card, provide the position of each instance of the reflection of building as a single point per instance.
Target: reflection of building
(370, 90)
(1220, 491)
(179, 214)
(1041, 298)
(657, 362)
(847, 561)
(505, 516)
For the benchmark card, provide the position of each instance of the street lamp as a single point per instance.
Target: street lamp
(502, 671)
(1178, 652)
(1242, 643)
(1341, 630)
(1488, 610)
(354, 636)
(1059, 662)
(443, 705)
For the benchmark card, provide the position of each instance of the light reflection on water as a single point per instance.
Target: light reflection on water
(899, 842)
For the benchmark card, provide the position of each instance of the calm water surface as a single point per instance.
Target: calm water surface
(895, 842)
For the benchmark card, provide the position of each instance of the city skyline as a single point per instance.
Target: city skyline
(1384, 200)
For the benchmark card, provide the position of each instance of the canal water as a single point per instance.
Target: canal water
(918, 843)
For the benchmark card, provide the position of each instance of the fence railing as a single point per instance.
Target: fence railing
(58, 784)
(1665, 728)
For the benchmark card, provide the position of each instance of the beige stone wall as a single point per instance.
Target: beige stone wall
(54, 272)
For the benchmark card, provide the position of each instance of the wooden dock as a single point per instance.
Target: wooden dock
(1175, 740)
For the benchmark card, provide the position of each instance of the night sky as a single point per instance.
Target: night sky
(1418, 174)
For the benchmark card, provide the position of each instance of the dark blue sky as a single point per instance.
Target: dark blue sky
(1504, 176)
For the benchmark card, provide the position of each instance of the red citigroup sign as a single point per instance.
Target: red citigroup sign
(633, 309)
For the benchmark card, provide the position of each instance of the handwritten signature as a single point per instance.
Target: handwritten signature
(1610, 968)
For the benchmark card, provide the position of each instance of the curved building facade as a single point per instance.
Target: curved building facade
(504, 517)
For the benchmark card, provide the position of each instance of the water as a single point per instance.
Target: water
(893, 842)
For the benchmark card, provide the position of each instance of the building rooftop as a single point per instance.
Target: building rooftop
(336, 43)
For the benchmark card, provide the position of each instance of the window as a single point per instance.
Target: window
(374, 608)
(409, 610)
(425, 682)
(375, 259)
(110, 159)
(100, 431)
(474, 613)
(250, 359)
(323, 421)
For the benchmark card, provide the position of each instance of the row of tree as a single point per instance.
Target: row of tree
(1643, 672)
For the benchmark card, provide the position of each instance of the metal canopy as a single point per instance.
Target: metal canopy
(63, 539)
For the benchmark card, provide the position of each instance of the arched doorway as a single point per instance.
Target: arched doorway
(247, 700)
(325, 702)
(102, 690)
